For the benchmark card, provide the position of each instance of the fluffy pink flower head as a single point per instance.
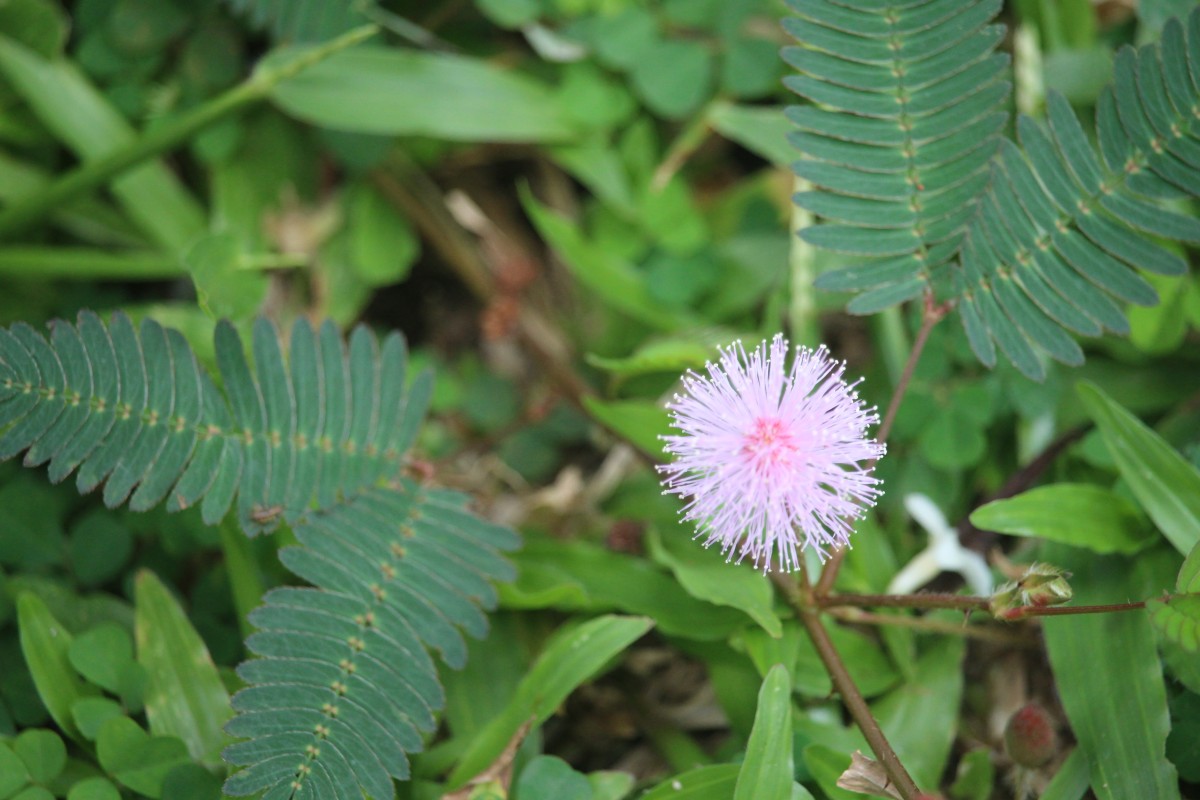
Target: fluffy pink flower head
(769, 458)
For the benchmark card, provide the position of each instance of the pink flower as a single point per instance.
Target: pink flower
(769, 457)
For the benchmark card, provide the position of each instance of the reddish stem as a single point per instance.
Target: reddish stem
(931, 315)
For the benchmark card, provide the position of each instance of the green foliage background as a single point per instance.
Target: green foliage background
(561, 205)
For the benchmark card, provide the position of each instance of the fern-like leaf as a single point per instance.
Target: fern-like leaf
(344, 686)
(1064, 229)
(131, 409)
(905, 117)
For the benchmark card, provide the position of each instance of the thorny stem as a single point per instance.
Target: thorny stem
(931, 315)
(800, 598)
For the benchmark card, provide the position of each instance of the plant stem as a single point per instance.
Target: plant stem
(987, 634)
(799, 598)
(1023, 612)
(95, 174)
(966, 603)
(931, 315)
(924, 600)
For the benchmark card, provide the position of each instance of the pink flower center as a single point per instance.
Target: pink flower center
(770, 445)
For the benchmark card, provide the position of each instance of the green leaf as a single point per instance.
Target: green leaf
(40, 25)
(1106, 667)
(223, 288)
(45, 644)
(94, 789)
(99, 547)
(716, 782)
(185, 697)
(103, 655)
(580, 576)
(674, 77)
(1179, 620)
(573, 657)
(1077, 514)
(90, 714)
(762, 131)
(191, 782)
(614, 281)
(34, 793)
(661, 355)
(930, 703)
(383, 244)
(139, 761)
(767, 770)
(637, 421)
(1071, 780)
(707, 575)
(413, 93)
(76, 112)
(550, 776)
(43, 754)
(13, 773)
(1166, 485)
(1188, 581)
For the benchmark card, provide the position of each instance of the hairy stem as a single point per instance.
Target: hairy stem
(152, 143)
(799, 597)
(1023, 612)
(924, 600)
(992, 633)
(931, 315)
(934, 600)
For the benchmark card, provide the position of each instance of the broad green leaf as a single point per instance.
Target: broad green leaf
(1167, 486)
(610, 784)
(42, 752)
(638, 421)
(929, 703)
(614, 281)
(1071, 780)
(136, 759)
(191, 782)
(550, 776)
(586, 577)
(707, 575)
(76, 112)
(1109, 676)
(662, 355)
(1179, 620)
(103, 655)
(767, 769)
(94, 789)
(674, 77)
(185, 697)
(571, 658)
(716, 782)
(90, 714)
(1077, 514)
(13, 774)
(223, 287)
(40, 25)
(762, 131)
(45, 644)
(1188, 581)
(383, 244)
(414, 93)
